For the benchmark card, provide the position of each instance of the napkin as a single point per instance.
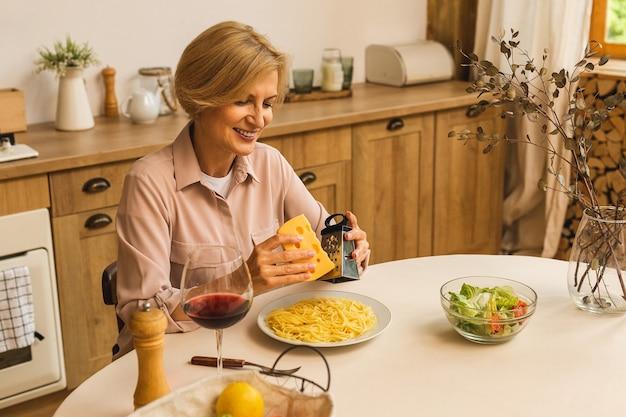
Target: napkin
(198, 399)
(17, 320)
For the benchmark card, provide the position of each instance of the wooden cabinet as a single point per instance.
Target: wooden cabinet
(329, 184)
(89, 326)
(85, 243)
(24, 194)
(87, 188)
(418, 192)
(321, 159)
(469, 187)
(392, 185)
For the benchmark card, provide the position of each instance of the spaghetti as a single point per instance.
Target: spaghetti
(322, 320)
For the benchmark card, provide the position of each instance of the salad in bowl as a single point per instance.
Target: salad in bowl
(487, 309)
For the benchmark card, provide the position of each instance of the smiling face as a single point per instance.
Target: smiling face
(224, 132)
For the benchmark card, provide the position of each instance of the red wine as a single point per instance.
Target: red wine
(217, 311)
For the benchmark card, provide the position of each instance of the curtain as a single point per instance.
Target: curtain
(533, 218)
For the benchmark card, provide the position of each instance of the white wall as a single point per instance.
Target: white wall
(130, 34)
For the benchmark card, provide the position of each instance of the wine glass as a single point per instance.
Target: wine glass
(216, 290)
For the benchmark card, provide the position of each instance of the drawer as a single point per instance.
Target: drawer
(393, 126)
(318, 147)
(89, 188)
(23, 194)
(97, 222)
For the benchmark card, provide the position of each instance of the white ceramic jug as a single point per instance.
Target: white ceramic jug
(143, 106)
(73, 111)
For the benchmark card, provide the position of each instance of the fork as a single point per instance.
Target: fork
(239, 363)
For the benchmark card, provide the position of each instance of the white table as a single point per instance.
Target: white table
(565, 363)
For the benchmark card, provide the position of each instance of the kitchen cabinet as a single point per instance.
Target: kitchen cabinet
(24, 194)
(88, 188)
(329, 184)
(321, 159)
(85, 243)
(469, 186)
(418, 192)
(392, 185)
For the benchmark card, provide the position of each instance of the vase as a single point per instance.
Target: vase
(597, 265)
(73, 111)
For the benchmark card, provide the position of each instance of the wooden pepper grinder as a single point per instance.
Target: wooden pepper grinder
(110, 100)
(148, 327)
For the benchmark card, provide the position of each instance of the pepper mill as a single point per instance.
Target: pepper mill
(110, 100)
(148, 327)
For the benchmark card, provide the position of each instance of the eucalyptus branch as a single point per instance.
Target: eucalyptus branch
(550, 151)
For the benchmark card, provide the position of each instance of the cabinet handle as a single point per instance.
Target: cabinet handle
(98, 221)
(395, 124)
(308, 177)
(96, 185)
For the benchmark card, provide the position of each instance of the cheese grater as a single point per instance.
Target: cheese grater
(339, 250)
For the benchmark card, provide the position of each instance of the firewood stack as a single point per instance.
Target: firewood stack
(609, 145)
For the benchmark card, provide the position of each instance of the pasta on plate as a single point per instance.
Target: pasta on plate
(322, 320)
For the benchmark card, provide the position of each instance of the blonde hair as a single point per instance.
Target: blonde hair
(220, 65)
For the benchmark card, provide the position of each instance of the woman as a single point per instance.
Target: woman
(215, 184)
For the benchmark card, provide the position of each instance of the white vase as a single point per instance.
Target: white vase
(73, 111)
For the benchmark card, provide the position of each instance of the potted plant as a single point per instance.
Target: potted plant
(597, 268)
(68, 60)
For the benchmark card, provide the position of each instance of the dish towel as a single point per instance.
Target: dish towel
(17, 320)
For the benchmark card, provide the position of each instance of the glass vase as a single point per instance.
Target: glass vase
(597, 275)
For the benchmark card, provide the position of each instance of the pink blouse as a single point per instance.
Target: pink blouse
(165, 211)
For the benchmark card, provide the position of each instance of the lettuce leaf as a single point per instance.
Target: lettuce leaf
(505, 298)
(463, 306)
(473, 301)
(469, 291)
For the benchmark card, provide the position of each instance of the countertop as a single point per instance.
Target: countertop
(116, 139)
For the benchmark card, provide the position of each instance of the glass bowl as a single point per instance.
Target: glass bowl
(483, 317)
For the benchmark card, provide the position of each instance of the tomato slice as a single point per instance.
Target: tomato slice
(494, 326)
(520, 309)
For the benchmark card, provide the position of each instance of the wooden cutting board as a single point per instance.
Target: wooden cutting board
(12, 111)
(316, 94)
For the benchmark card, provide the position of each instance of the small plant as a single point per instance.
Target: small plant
(525, 88)
(65, 55)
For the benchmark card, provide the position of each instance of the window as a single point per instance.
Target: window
(608, 26)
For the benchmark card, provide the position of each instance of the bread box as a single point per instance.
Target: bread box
(415, 63)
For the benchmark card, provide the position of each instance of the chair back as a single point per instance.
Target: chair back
(109, 294)
(109, 278)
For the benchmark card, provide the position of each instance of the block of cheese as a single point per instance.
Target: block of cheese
(300, 225)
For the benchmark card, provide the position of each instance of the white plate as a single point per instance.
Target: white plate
(383, 316)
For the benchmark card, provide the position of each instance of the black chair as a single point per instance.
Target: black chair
(109, 294)
(109, 277)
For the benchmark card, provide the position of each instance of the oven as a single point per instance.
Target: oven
(37, 369)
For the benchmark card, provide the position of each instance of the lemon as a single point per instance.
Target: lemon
(240, 399)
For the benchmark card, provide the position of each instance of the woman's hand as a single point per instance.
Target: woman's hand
(362, 250)
(271, 269)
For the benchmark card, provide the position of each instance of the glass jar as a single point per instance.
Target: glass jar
(154, 77)
(332, 72)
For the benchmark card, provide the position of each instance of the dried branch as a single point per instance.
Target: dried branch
(527, 90)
